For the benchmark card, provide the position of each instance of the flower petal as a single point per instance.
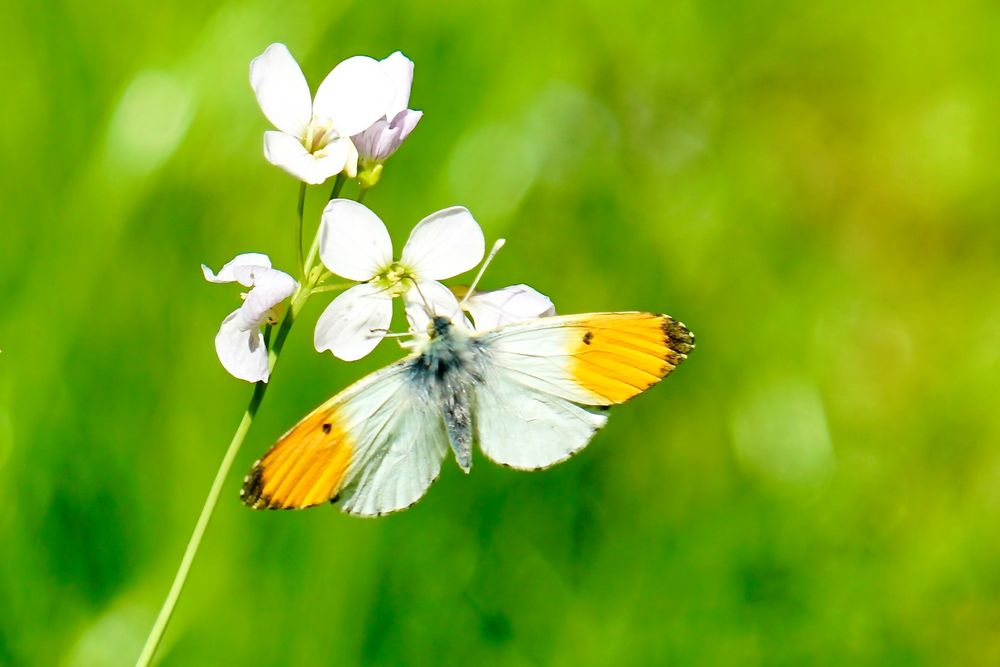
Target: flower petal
(353, 96)
(444, 244)
(353, 242)
(281, 89)
(399, 70)
(441, 301)
(350, 326)
(382, 139)
(285, 151)
(271, 287)
(351, 162)
(240, 269)
(517, 303)
(405, 121)
(241, 350)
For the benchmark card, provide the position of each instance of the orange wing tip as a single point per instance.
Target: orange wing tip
(678, 336)
(678, 339)
(304, 469)
(620, 355)
(252, 494)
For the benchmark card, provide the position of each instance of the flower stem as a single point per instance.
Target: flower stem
(167, 610)
(301, 210)
(333, 287)
(338, 185)
(306, 288)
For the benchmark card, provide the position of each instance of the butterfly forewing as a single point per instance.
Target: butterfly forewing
(374, 448)
(527, 408)
(593, 359)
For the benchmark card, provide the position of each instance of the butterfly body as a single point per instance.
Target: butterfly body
(530, 394)
(448, 368)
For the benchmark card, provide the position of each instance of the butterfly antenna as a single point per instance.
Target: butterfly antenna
(427, 304)
(391, 334)
(482, 269)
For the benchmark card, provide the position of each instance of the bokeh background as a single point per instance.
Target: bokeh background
(811, 187)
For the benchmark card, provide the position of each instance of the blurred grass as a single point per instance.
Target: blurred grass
(810, 186)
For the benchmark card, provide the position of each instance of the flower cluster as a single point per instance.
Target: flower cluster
(357, 119)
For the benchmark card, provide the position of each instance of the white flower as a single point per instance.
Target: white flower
(381, 140)
(355, 244)
(489, 310)
(239, 343)
(516, 303)
(314, 138)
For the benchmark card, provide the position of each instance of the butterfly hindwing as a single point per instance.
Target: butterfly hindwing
(523, 427)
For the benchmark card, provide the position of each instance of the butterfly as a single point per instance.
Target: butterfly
(531, 394)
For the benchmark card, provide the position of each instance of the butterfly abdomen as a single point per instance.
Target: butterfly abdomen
(447, 371)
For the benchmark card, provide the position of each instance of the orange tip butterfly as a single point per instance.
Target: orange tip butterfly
(531, 394)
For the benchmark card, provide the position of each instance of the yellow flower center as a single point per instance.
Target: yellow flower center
(318, 135)
(396, 279)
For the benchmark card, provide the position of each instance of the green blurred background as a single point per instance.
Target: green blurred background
(811, 187)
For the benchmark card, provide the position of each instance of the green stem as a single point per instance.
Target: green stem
(338, 185)
(361, 195)
(306, 288)
(311, 257)
(167, 610)
(332, 288)
(301, 210)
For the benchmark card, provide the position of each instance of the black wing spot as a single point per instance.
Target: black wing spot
(335, 499)
(587, 337)
(326, 428)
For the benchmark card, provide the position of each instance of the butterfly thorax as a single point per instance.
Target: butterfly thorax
(447, 370)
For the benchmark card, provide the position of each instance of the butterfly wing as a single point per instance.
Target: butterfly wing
(374, 448)
(534, 407)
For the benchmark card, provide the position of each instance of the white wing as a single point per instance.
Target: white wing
(401, 441)
(538, 373)
(526, 428)
(373, 448)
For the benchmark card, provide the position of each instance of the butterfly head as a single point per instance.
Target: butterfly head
(439, 326)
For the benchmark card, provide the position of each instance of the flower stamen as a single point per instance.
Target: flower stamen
(393, 277)
(319, 134)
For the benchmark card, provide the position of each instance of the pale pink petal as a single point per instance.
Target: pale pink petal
(505, 306)
(353, 96)
(444, 244)
(383, 138)
(241, 350)
(354, 323)
(281, 90)
(353, 242)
